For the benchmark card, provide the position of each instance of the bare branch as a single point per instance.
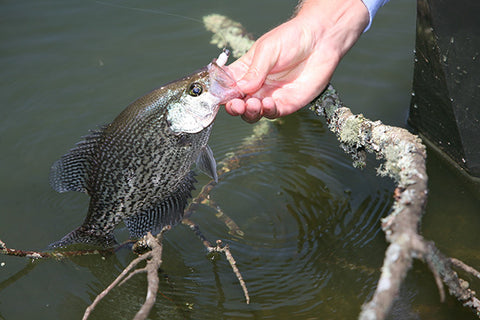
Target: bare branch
(225, 249)
(153, 264)
(57, 254)
(459, 264)
(153, 257)
(404, 156)
(227, 32)
(154, 248)
(221, 249)
(112, 285)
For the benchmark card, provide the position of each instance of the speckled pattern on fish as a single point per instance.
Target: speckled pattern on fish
(137, 169)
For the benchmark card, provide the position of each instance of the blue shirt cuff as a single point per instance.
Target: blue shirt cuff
(372, 7)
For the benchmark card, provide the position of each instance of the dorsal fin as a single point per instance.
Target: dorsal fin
(167, 212)
(70, 172)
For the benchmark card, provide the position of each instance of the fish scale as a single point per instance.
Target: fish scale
(138, 168)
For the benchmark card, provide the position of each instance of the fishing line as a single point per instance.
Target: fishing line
(147, 10)
(154, 11)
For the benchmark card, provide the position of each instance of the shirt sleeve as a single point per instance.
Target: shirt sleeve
(372, 7)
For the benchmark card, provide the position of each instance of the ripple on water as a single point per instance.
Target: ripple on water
(309, 219)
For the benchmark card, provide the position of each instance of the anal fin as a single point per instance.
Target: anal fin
(168, 211)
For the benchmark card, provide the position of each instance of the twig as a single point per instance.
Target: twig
(404, 156)
(222, 249)
(225, 249)
(58, 255)
(154, 261)
(151, 268)
(233, 161)
(461, 265)
(194, 227)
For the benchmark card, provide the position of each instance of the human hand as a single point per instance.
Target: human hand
(290, 65)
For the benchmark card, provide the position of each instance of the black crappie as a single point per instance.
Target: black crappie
(137, 169)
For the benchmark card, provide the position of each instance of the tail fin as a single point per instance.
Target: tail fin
(83, 236)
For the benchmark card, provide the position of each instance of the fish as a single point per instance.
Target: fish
(138, 168)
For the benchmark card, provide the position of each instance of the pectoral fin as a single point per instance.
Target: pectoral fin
(206, 163)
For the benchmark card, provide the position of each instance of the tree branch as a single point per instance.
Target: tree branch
(404, 156)
(220, 248)
(153, 257)
(58, 255)
(404, 160)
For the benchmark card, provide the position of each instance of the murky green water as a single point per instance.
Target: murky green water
(312, 245)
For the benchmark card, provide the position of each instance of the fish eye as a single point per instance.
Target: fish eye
(195, 89)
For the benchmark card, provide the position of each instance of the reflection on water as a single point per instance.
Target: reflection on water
(311, 246)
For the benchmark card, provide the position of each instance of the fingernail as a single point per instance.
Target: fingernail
(228, 108)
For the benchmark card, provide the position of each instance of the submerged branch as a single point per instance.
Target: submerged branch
(58, 254)
(227, 32)
(153, 245)
(232, 161)
(220, 248)
(226, 250)
(404, 156)
(153, 257)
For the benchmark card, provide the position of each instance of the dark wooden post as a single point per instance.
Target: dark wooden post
(445, 104)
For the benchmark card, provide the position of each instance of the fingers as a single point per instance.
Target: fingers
(269, 108)
(252, 109)
(235, 107)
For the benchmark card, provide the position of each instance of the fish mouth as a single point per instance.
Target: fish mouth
(222, 84)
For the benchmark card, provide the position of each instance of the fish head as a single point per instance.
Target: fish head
(203, 93)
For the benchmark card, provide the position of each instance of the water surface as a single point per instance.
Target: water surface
(311, 247)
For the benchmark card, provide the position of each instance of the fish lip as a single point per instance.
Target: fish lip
(222, 84)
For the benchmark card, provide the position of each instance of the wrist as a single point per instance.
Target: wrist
(335, 23)
(372, 7)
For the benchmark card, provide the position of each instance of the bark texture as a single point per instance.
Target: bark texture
(404, 157)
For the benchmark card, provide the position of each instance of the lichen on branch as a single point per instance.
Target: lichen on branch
(404, 158)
